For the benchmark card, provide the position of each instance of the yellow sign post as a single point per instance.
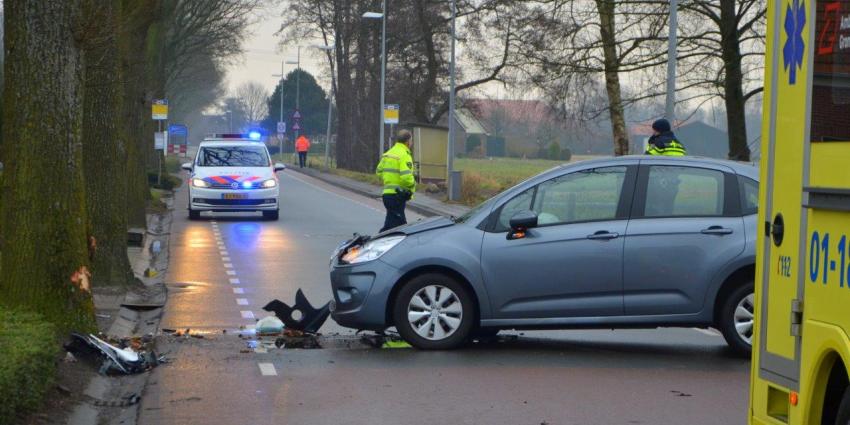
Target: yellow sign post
(159, 109)
(391, 114)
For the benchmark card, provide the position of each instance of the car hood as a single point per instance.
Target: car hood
(229, 175)
(421, 226)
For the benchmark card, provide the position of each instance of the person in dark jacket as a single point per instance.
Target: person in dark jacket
(663, 141)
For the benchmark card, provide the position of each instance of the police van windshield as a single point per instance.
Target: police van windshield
(233, 156)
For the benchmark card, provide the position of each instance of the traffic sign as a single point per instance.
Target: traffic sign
(296, 126)
(160, 140)
(178, 130)
(281, 127)
(391, 114)
(296, 115)
(159, 109)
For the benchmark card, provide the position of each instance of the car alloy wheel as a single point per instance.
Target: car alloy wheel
(435, 312)
(744, 315)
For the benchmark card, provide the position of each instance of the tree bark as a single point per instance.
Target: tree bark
(612, 76)
(733, 83)
(44, 207)
(104, 145)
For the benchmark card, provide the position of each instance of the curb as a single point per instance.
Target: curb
(319, 175)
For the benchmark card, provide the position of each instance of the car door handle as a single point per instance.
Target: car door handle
(603, 235)
(716, 230)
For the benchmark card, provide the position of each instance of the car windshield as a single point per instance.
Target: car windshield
(233, 156)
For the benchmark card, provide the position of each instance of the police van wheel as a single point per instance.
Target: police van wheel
(194, 215)
(737, 316)
(271, 215)
(843, 416)
(434, 312)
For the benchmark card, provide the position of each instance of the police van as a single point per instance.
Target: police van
(801, 345)
(233, 173)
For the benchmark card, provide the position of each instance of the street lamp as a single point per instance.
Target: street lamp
(383, 17)
(230, 118)
(671, 63)
(331, 93)
(450, 151)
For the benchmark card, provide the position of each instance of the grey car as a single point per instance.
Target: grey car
(635, 241)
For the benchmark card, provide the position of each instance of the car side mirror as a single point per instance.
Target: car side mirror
(520, 223)
(186, 166)
(279, 167)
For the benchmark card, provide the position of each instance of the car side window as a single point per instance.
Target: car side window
(674, 191)
(749, 195)
(521, 202)
(580, 196)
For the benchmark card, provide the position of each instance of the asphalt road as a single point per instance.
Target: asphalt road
(224, 268)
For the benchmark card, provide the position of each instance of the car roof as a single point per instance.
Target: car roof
(232, 142)
(742, 168)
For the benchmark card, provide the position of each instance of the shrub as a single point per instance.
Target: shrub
(28, 351)
(554, 151)
(566, 154)
(172, 164)
(476, 188)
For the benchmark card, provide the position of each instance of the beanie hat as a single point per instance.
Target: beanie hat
(661, 125)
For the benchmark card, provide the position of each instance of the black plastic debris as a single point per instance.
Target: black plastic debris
(114, 360)
(311, 318)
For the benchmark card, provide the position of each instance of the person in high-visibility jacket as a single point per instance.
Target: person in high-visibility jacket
(396, 171)
(663, 141)
(302, 146)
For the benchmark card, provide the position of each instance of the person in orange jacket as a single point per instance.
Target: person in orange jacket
(302, 146)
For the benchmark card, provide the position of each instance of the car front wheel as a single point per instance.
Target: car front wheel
(194, 215)
(737, 316)
(434, 312)
(843, 417)
(271, 215)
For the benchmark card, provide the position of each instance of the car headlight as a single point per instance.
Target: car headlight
(200, 183)
(371, 250)
(270, 183)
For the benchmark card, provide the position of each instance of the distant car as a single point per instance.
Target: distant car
(621, 242)
(233, 173)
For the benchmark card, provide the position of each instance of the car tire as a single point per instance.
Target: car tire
(194, 215)
(271, 215)
(737, 317)
(453, 319)
(843, 416)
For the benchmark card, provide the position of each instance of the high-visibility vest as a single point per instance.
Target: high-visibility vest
(302, 144)
(671, 148)
(396, 170)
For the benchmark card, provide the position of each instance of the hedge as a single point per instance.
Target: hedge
(28, 353)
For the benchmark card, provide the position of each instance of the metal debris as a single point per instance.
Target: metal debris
(311, 318)
(114, 360)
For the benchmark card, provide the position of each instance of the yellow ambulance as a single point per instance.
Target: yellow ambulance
(801, 344)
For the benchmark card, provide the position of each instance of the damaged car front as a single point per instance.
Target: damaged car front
(365, 270)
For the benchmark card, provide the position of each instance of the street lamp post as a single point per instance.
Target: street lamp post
(230, 119)
(450, 151)
(297, 64)
(383, 17)
(331, 93)
(671, 63)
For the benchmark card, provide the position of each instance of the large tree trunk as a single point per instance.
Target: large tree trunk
(104, 145)
(733, 91)
(133, 38)
(44, 207)
(612, 76)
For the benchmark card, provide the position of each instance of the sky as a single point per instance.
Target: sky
(263, 55)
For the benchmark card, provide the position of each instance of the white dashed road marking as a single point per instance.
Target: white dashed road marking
(235, 281)
(238, 291)
(247, 314)
(228, 265)
(225, 259)
(242, 301)
(267, 369)
(231, 272)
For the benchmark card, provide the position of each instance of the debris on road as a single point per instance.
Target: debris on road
(269, 325)
(384, 341)
(311, 319)
(114, 359)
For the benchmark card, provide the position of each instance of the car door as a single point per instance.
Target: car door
(571, 264)
(685, 226)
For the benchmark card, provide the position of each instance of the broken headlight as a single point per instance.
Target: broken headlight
(371, 250)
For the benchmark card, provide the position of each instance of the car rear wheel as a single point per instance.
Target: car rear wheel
(434, 312)
(271, 215)
(843, 417)
(737, 317)
(194, 215)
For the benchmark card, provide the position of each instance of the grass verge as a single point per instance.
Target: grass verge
(28, 351)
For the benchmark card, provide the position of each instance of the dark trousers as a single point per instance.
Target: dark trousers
(302, 159)
(395, 211)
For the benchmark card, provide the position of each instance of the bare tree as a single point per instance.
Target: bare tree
(728, 38)
(253, 98)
